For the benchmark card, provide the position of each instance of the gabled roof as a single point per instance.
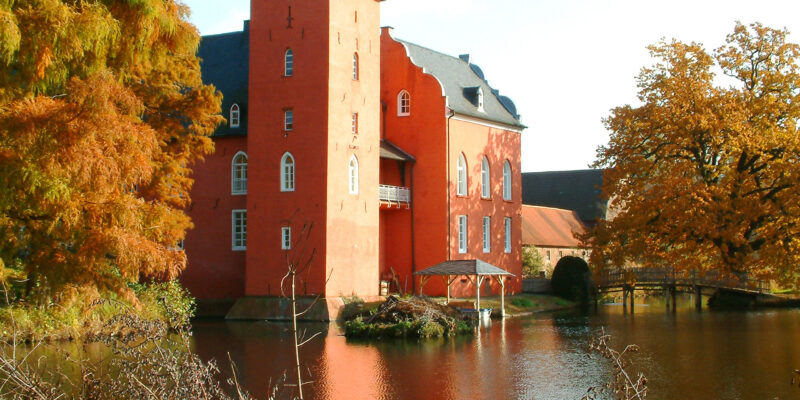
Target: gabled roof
(463, 267)
(461, 80)
(550, 227)
(225, 63)
(570, 190)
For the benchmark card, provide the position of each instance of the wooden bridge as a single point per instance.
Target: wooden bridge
(671, 281)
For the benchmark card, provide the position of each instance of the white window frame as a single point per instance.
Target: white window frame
(235, 115)
(355, 66)
(462, 234)
(403, 104)
(239, 174)
(480, 100)
(462, 178)
(286, 238)
(487, 234)
(239, 243)
(486, 179)
(508, 234)
(352, 168)
(288, 63)
(507, 181)
(288, 173)
(288, 120)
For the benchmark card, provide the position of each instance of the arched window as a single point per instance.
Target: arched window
(355, 66)
(486, 181)
(234, 120)
(287, 173)
(403, 104)
(507, 181)
(353, 174)
(288, 63)
(462, 175)
(239, 173)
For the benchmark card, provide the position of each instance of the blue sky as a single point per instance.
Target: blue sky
(564, 63)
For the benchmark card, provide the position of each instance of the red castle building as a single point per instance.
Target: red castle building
(401, 157)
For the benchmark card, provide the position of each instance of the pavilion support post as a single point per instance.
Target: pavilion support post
(501, 279)
(447, 282)
(666, 296)
(480, 282)
(422, 281)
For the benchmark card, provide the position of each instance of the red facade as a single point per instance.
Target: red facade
(357, 102)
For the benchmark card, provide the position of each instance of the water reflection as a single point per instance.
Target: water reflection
(685, 354)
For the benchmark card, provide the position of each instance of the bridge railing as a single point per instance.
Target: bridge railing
(672, 276)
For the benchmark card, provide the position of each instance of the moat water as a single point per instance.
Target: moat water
(684, 354)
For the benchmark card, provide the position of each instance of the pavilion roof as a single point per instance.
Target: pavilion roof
(463, 267)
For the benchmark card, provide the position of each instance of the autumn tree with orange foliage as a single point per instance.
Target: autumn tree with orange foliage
(102, 111)
(705, 176)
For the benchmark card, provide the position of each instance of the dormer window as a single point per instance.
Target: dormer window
(480, 100)
(235, 114)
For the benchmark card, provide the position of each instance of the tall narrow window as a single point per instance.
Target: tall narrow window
(355, 66)
(239, 229)
(239, 174)
(235, 116)
(353, 174)
(486, 182)
(462, 176)
(508, 235)
(288, 120)
(288, 63)
(287, 173)
(355, 123)
(507, 181)
(286, 238)
(487, 234)
(480, 100)
(404, 104)
(462, 234)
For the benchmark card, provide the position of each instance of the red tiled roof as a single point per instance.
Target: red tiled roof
(550, 227)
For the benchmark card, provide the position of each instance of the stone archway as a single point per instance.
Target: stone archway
(572, 279)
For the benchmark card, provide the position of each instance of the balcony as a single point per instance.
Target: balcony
(394, 196)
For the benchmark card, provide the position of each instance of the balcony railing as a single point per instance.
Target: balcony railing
(395, 194)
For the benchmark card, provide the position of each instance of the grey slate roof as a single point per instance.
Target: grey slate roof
(463, 267)
(570, 190)
(225, 63)
(460, 80)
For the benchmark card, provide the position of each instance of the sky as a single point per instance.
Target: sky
(565, 63)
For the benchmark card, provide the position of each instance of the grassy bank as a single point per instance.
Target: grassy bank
(517, 305)
(161, 306)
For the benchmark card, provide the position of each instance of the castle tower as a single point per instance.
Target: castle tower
(313, 144)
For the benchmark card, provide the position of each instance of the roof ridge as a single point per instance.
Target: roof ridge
(429, 49)
(549, 208)
(221, 34)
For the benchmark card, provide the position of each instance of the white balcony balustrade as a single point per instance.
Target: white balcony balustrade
(395, 195)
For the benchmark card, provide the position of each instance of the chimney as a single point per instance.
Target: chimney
(466, 58)
(246, 25)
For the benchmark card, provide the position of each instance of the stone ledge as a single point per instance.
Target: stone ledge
(274, 308)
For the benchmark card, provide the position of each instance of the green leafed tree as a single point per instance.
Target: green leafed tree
(102, 111)
(705, 172)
